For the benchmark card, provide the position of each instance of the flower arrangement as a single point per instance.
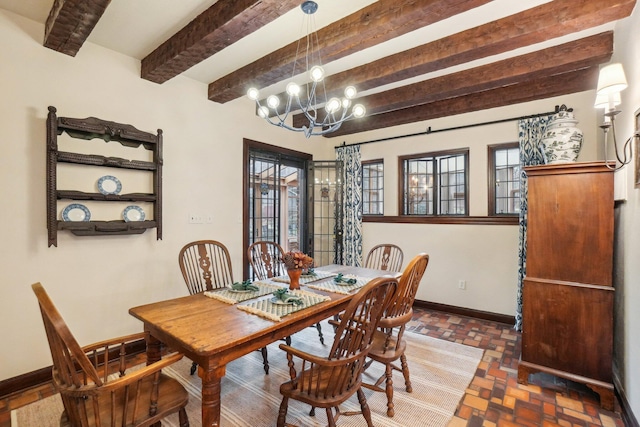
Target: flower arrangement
(294, 260)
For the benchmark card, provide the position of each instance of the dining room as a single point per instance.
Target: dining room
(95, 280)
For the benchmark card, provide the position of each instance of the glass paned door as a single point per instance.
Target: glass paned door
(326, 190)
(275, 208)
(264, 198)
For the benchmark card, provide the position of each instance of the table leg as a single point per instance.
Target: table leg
(211, 394)
(154, 354)
(154, 347)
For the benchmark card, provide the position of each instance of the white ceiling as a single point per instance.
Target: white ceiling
(136, 27)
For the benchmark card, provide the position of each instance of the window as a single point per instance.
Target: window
(373, 187)
(504, 179)
(435, 183)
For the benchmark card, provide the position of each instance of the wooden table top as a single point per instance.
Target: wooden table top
(205, 328)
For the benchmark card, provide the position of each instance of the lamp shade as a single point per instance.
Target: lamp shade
(602, 101)
(611, 79)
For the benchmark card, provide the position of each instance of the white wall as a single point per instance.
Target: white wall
(627, 278)
(485, 256)
(95, 280)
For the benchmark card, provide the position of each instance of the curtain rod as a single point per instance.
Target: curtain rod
(429, 130)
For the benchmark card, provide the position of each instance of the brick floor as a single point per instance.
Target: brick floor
(493, 399)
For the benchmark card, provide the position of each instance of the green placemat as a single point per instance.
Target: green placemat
(266, 308)
(232, 297)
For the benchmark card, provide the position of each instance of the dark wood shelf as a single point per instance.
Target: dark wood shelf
(81, 195)
(104, 228)
(92, 128)
(112, 162)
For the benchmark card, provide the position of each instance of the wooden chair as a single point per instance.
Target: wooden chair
(326, 382)
(266, 259)
(205, 266)
(385, 257)
(388, 342)
(94, 384)
(266, 262)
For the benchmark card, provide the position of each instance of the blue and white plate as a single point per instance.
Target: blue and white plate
(76, 212)
(109, 185)
(133, 213)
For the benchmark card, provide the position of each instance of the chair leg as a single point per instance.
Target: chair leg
(319, 328)
(366, 412)
(183, 418)
(389, 390)
(194, 366)
(330, 419)
(282, 413)
(405, 372)
(265, 360)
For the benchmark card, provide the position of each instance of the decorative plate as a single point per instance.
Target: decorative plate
(109, 185)
(133, 213)
(345, 283)
(278, 301)
(242, 291)
(76, 212)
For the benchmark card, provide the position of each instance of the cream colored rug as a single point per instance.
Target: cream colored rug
(440, 373)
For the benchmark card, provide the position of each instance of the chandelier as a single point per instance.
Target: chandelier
(321, 120)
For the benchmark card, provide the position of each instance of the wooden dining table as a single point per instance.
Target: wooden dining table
(213, 333)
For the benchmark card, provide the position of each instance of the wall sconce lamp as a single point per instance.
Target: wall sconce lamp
(611, 82)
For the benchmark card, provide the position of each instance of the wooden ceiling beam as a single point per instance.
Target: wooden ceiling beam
(545, 87)
(575, 55)
(547, 21)
(374, 24)
(70, 22)
(224, 23)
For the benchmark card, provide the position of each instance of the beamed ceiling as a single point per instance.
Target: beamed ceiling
(411, 60)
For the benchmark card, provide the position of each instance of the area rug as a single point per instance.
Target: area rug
(440, 373)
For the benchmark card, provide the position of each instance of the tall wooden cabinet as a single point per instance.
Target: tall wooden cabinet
(567, 326)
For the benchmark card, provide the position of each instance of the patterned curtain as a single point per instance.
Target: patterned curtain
(352, 218)
(530, 132)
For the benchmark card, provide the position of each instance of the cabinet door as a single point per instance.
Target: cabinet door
(568, 327)
(570, 224)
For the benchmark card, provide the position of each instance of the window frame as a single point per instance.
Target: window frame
(436, 156)
(491, 178)
(379, 190)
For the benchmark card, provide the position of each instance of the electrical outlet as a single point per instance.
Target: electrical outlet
(462, 284)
